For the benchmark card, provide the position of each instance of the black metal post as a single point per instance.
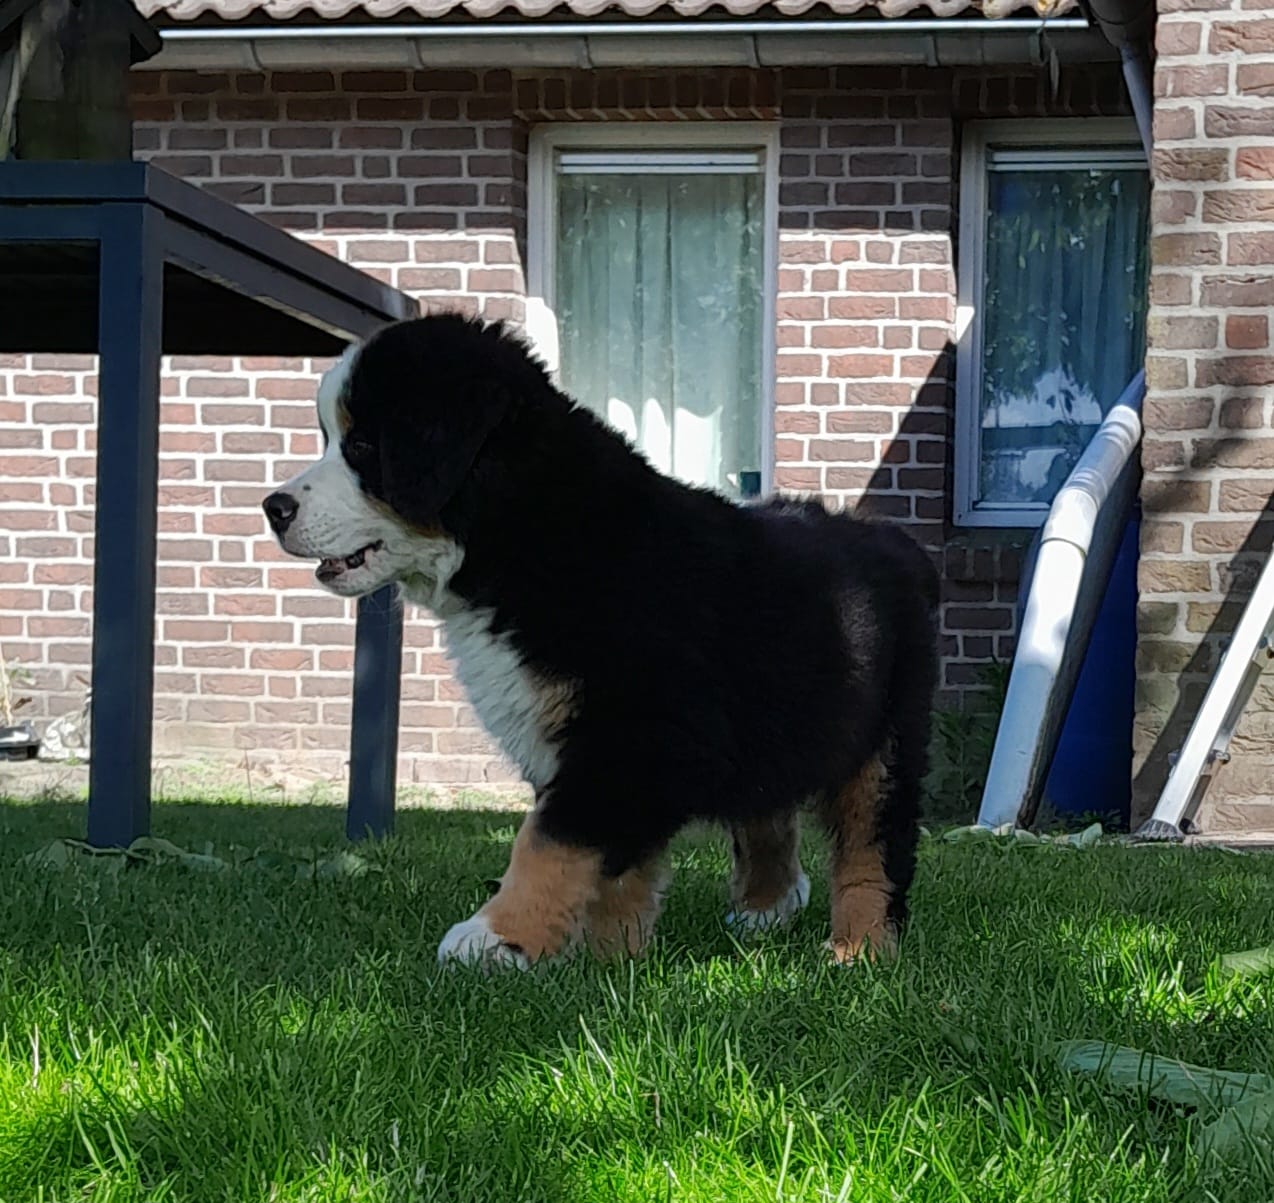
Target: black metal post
(130, 332)
(373, 761)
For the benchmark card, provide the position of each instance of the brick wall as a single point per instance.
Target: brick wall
(420, 178)
(1208, 452)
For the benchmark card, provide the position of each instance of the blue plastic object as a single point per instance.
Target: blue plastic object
(1092, 767)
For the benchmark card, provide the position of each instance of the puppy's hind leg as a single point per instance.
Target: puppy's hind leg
(872, 821)
(768, 888)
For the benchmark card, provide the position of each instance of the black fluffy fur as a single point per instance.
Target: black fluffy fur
(730, 662)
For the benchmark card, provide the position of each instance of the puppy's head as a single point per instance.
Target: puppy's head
(405, 419)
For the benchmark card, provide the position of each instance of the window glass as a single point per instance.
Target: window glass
(658, 293)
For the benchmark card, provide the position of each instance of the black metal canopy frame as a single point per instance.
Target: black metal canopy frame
(125, 261)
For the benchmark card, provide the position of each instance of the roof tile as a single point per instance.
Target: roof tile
(308, 11)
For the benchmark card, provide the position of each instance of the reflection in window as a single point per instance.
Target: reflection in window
(1061, 315)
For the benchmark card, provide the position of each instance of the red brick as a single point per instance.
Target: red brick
(1212, 80)
(1225, 538)
(860, 421)
(1250, 204)
(494, 280)
(1176, 37)
(891, 280)
(977, 618)
(1256, 79)
(445, 250)
(1172, 206)
(39, 627)
(860, 366)
(28, 465)
(1223, 121)
(1166, 332)
(1236, 370)
(1249, 250)
(234, 469)
(1250, 37)
(1236, 452)
(1238, 292)
(1170, 289)
(1185, 250)
(865, 308)
(1254, 163)
(1248, 495)
(1178, 413)
(1250, 332)
(800, 309)
(845, 251)
(262, 632)
(1162, 453)
(233, 415)
(1167, 576)
(1242, 413)
(845, 336)
(200, 710)
(429, 279)
(228, 577)
(45, 385)
(1192, 163)
(801, 480)
(841, 450)
(926, 309)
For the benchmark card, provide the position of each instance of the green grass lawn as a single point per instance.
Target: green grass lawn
(172, 1035)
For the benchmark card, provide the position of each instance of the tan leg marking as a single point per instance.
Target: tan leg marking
(622, 917)
(860, 889)
(539, 909)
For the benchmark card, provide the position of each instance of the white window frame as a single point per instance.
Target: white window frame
(1044, 144)
(684, 146)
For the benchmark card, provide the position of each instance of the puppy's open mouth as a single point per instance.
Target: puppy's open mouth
(331, 567)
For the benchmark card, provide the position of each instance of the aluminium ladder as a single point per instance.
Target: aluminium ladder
(1207, 745)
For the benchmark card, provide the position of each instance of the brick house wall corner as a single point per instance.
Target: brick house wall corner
(1208, 452)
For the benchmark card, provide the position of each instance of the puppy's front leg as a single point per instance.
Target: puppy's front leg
(539, 910)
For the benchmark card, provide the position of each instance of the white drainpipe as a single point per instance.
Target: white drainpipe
(1038, 694)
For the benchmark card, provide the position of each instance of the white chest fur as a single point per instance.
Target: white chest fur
(520, 708)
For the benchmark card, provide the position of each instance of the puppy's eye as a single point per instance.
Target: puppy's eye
(358, 450)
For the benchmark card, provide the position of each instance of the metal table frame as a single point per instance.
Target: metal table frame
(141, 220)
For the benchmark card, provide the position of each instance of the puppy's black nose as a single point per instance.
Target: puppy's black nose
(280, 509)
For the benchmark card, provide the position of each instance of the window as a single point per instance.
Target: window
(1053, 305)
(652, 250)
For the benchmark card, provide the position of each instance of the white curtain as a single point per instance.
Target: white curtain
(658, 294)
(1064, 319)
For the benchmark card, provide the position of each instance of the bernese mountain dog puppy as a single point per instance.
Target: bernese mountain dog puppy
(645, 652)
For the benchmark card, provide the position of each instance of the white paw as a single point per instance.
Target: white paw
(474, 943)
(781, 913)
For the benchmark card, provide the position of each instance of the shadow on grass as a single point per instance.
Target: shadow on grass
(224, 1035)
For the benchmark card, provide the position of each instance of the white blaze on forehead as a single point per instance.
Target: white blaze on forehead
(331, 389)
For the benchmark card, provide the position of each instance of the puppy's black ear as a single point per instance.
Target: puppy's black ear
(429, 452)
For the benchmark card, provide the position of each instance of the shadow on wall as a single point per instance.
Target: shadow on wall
(979, 567)
(1174, 674)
